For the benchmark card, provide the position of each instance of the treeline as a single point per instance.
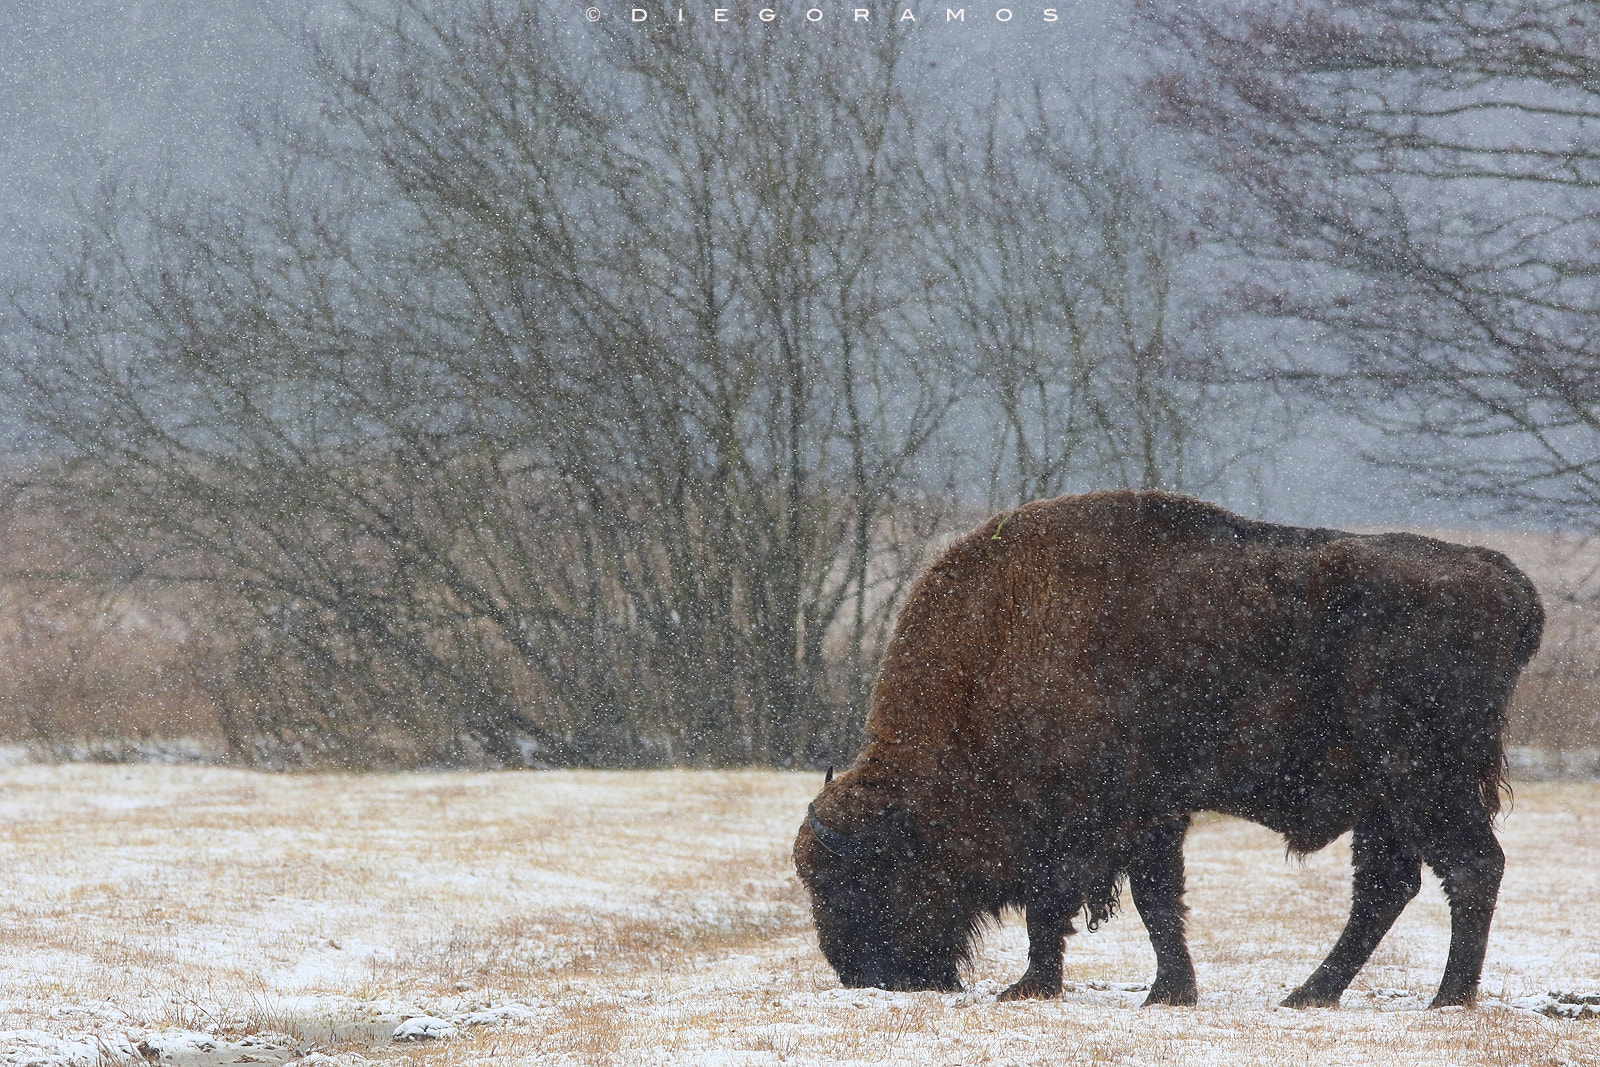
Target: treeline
(590, 395)
(591, 400)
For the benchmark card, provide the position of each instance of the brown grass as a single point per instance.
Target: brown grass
(85, 677)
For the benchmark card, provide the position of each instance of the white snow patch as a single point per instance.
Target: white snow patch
(170, 1044)
(1387, 999)
(424, 1028)
(1562, 1005)
(36, 1048)
(506, 1013)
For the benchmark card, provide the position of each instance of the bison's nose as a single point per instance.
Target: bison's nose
(868, 977)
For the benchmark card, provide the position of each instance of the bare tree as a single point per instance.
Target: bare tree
(540, 390)
(1065, 266)
(1418, 184)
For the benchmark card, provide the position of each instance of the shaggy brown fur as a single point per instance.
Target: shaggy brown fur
(1073, 678)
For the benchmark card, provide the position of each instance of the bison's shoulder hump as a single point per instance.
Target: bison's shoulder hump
(1123, 525)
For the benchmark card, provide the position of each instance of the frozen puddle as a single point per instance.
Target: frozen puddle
(300, 1042)
(372, 1031)
(189, 1048)
(303, 1037)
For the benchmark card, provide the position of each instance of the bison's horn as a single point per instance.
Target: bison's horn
(828, 837)
(826, 778)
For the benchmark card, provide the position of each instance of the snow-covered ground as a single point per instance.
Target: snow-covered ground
(206, 916)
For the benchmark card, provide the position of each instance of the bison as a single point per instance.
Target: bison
(1074, 678)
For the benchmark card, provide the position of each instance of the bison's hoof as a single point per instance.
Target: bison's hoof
(1032, 989)
(1176, 994)
(1454, 1000)
(1308, 998)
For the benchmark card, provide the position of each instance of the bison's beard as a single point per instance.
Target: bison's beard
(864, 959)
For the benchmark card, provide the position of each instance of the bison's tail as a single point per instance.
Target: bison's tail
(1492, 778)
(1479, 740)
(1492, 781)
(1494, 784)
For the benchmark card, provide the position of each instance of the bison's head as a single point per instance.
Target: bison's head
(887, 911)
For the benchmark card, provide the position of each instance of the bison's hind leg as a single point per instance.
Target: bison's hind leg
(1156, 877)
(1388, 873)
(1468, 859)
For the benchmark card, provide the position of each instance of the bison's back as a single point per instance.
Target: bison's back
(1097, 592)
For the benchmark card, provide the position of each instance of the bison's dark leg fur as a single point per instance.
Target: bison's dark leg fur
(1470, 867)
(1048, 926)
(1156, 877)
(1388, 874)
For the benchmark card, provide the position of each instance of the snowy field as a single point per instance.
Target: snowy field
(210, 916)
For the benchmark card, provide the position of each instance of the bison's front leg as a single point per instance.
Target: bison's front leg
(1388, 874)
(1156, 877)
(1048, 927)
